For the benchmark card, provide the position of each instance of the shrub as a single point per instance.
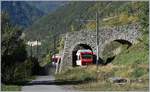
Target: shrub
(23, 71)
(10, 88)
(138, 72)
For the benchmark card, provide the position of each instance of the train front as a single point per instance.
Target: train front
(84, 57)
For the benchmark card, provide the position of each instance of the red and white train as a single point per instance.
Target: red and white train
(56, 59)
(84, 57)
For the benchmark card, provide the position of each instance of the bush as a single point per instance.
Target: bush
(138, 72)
(23, 71)
(13, 52)
(10, 88)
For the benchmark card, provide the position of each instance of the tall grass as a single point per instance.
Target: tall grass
(77, 74)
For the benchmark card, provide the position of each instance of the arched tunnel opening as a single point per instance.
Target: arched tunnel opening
(124, 42)
(79, 47)
(112, 49)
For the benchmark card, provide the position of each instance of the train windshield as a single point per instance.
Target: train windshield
(86, 56)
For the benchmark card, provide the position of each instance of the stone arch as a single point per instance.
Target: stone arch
(122, 41)
(106, 35)
(76, 47)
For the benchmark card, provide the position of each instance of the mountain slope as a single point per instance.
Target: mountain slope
(66, 18)
(24, 13)
(21, 13)
(61, 19)
(47, 6)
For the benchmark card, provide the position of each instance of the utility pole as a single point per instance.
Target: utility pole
(31, 50)
(54, 44)
(54, 40)
(97, 43)
(97, 39)
(37, 49)
(55, 60)
(97, 35)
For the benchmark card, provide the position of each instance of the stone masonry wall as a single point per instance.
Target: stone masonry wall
(129, 33)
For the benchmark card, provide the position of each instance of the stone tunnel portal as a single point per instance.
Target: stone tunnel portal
(76, 48)
(113, 48)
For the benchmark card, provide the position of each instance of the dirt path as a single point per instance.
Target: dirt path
(41, 83)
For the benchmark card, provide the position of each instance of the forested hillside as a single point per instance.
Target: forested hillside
(66, 18)
(47, 6)
(21, 13)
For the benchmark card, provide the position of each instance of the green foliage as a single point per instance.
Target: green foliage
(132, 55)
(46, 60)
(138, 72)
(130, 12)
(119, 20)
(144, 16)
(15, 66)
(21, 13)
(23, 71)
(36, 68)
(11, 41)
(61, 44)
(72, 28)
(135, 59)
(91, 25)
(10, 88)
